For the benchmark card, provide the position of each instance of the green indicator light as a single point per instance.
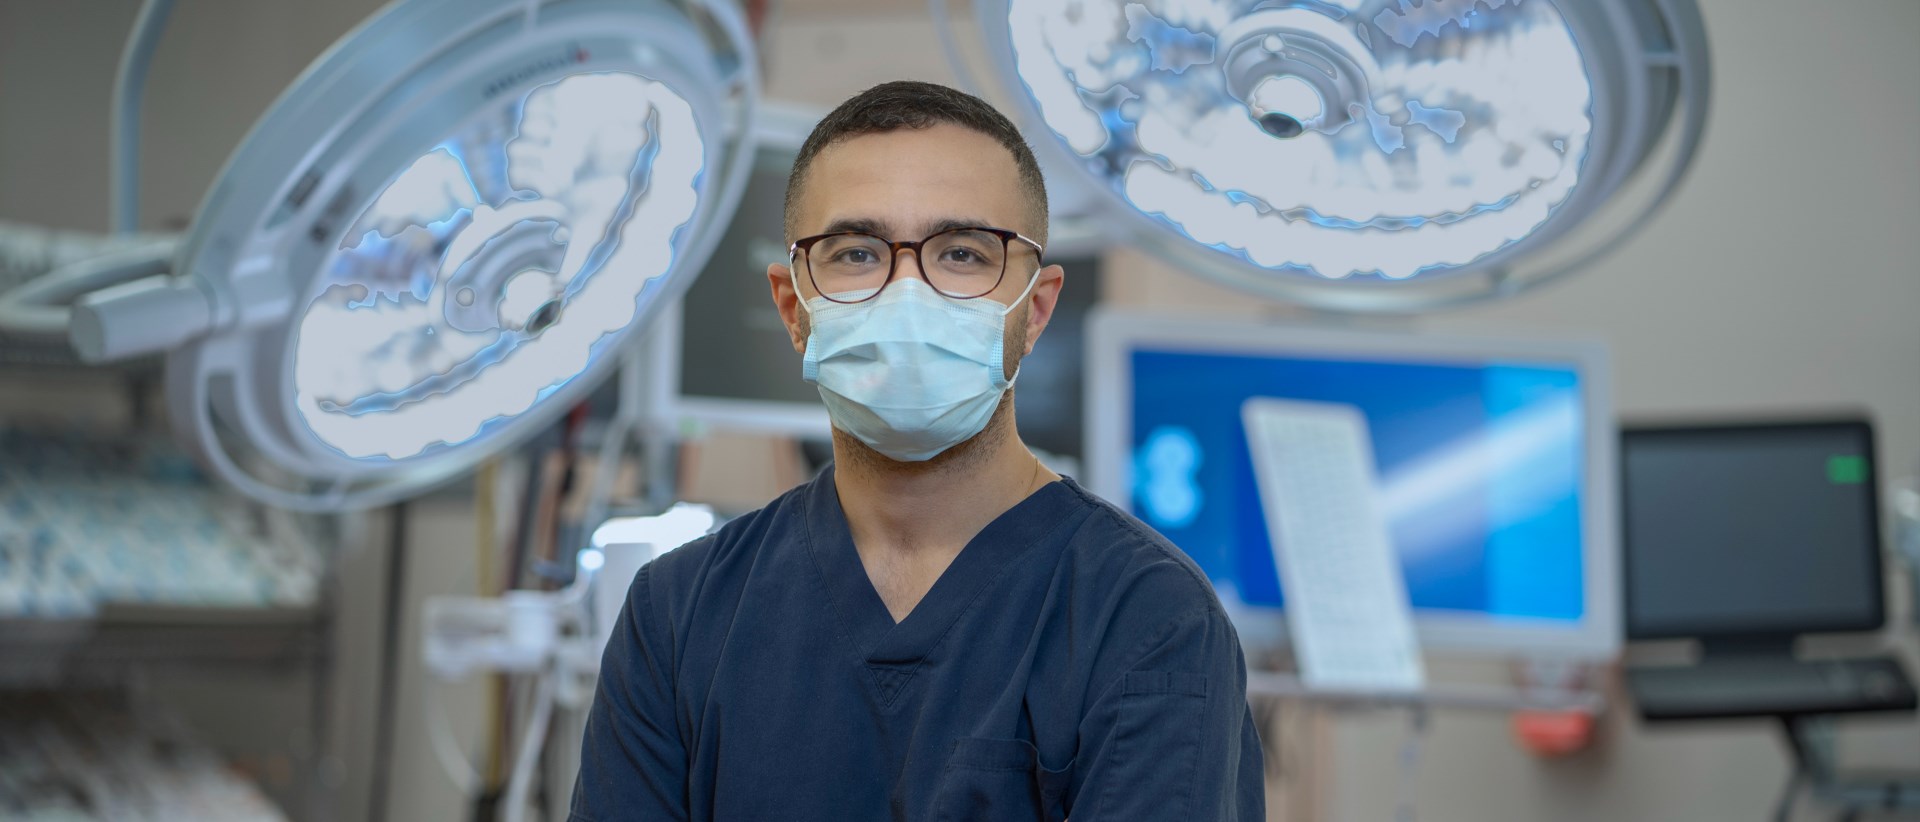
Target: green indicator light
(1846, 470)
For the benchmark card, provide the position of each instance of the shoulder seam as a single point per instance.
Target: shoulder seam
(1159, 542)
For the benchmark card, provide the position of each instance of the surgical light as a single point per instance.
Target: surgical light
(440, 237)
(1361, 154)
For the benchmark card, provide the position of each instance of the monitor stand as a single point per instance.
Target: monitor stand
(1815, 771)
(1809, 739)
(1808, 735)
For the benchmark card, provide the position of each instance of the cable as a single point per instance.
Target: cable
(37, 307)
(626, 417)
(949, 43)
(28, 250)
(1410, 763)
(389, 664)
(487, 548)
(33, 321)
(1783, 810)
(446, 750)
(524, 524)
(551, 525)
(485, 484)
(531, 741)
(129, 91)
(525, 515)
(111, 267)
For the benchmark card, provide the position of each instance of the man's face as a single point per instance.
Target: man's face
(901, 185)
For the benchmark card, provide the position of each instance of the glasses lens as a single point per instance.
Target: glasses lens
(845, 264)
(965, 262)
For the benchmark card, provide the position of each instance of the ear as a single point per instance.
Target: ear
(1040, 303)
(787, 301)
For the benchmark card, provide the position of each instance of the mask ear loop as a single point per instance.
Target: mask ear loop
(809, 367)
(1006, 312)
(1024, 293)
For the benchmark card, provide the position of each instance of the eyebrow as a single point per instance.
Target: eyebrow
(878, 228)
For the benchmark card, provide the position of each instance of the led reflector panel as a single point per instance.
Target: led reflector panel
(441, 237)
(1359, 154)
(1335, 139)
(483, 275)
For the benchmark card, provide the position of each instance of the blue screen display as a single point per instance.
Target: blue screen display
(1479, 467)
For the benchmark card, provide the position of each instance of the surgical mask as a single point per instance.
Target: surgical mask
(910, 373)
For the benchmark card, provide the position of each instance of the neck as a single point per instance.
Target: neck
(934, 507)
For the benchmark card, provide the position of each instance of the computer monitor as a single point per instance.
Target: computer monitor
(1751, 530)
(722, 357)
(1495, 461)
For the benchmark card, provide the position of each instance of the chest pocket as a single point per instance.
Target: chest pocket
(1000, 779)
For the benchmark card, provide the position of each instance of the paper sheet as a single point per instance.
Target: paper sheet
(1346, 599)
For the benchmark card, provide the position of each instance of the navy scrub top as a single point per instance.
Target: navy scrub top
(1070, 662)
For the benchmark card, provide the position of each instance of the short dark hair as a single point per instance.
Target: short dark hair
(916, 105)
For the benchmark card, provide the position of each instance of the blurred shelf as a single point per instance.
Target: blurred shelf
(42, 652)
(121, 566)
(90, 523)
(74, 756)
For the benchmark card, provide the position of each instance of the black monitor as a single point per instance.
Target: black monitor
(733, 345)
(1751, 531)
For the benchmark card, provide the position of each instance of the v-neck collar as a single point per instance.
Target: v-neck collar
(880, 642)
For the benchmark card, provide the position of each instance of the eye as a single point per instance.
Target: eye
(855, 256)
(961, 255)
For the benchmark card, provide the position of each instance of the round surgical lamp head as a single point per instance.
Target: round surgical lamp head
(440, 237)
(1362, 154)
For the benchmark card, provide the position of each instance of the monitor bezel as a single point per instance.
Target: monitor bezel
(1113, 334)
(1859, 423)
(781, 129)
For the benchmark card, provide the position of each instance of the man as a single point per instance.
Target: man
(937, 627)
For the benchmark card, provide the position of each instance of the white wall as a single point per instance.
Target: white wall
(219, 64)
(1787, 271)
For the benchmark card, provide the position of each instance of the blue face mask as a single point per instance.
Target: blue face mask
(910, 373)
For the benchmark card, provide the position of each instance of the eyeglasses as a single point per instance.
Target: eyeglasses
(960, 263)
